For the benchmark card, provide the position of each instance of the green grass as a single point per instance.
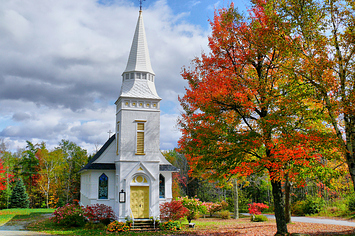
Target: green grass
(21, 214)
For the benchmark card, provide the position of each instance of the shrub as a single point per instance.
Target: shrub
(313, 205)
(224, 214)
(259, 218)
(257, 208)
(69, 215)
(173, 210)
(297, 208)
(99, 213)
(224, 205)
(194, 206)
(116, 226)
(170, 225)
(351, 203)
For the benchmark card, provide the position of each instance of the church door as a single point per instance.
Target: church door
(140, 201)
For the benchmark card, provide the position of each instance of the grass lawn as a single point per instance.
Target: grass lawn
(22, 214)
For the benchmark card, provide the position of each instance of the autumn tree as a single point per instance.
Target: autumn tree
(50, 173)
(243, 112)
(323, 40)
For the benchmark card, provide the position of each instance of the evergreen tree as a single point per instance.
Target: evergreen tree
(19, 197)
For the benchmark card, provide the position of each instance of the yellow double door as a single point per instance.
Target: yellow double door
(140, 201)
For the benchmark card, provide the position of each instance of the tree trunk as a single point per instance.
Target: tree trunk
(279, 208)
(287, 199)
(236, 206)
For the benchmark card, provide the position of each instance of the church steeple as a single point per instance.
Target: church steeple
(139, 59)
(138, 77)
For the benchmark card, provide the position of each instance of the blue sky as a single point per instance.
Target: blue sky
(61, 64)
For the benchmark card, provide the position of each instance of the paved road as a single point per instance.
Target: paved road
(313, 220)
(18, 228)
(317, 220)
(19, 233)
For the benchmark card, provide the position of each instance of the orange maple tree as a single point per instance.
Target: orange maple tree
(245, 113)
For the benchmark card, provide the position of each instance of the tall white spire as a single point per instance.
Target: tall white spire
(138, 77)
(139, 59)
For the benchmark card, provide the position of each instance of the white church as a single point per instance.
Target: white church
(129, 173)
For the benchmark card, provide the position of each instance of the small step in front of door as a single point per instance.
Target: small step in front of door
(144, 225)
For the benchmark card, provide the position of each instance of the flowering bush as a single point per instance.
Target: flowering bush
(69, 215)
(194, 205)
(116, 226)
(214, 207)
(99, 213)
(173, 210)
(257, 208)
(170, 225)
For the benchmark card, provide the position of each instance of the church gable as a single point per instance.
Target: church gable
(140, 168)
(97, 162)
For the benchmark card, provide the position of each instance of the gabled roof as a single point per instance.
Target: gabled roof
(139, 59)
(103, 166)
(167, 167)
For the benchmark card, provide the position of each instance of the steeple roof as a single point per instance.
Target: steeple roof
(139, 59)
(138, 78)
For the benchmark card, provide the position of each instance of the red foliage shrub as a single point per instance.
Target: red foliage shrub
(99, 213)
(173, 210)
(256, 208)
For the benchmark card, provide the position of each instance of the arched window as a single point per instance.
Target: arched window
(161, 186)
(103, 187)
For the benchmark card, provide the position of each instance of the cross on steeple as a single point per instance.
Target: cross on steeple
(140, 7)
(109, 133)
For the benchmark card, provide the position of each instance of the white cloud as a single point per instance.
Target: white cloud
(61, 66)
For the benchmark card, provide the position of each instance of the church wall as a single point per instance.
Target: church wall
(128, 126)
(85, 188)
(95, 185)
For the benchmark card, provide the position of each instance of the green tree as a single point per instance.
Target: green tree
(19, 197)
(75, 158)
(29, 171)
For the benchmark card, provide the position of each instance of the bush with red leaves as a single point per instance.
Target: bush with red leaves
(257, 208)
(173, 210)
(99, 213)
